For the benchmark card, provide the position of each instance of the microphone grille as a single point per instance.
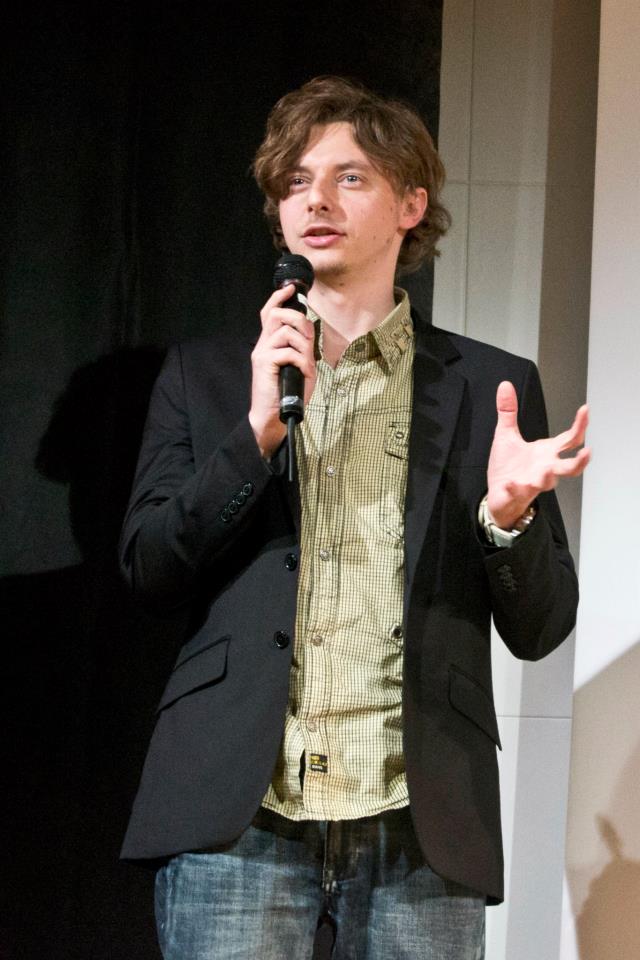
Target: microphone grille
(293, 266)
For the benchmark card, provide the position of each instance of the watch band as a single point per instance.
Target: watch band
(495, 535)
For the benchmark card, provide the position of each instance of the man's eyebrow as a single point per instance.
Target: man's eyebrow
(346, 165)
(354, 164)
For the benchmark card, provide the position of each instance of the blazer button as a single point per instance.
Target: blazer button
(225, 516)
(247, 489)
(240, 498)
(232, 506)
(281, 639)
(291, 561)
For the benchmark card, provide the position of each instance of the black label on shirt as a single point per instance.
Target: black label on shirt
(319, 762)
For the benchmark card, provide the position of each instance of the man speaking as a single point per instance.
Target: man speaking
(326, 743)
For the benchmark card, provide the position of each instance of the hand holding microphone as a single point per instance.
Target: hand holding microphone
(293, 268)
(283, 359)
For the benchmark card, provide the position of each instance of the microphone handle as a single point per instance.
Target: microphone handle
(291, 377)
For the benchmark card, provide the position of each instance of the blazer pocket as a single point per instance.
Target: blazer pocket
(469, 699)
(201, 669)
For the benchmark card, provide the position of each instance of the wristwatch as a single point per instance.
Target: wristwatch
(495, 535)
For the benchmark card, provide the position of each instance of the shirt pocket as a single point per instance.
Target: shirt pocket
(393, 478)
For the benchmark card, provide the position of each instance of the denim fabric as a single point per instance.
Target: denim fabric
(263, 895)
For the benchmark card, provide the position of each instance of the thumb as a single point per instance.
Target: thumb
(507, 405)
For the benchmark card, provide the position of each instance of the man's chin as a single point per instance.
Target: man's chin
(328, 268)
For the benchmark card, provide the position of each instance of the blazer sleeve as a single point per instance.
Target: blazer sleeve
(182, 518)
(534, 588)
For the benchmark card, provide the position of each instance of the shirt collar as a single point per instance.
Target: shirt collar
(389, 339)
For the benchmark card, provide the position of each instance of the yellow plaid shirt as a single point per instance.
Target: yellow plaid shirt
(343, 726)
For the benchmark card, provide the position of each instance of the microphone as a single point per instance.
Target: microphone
(292, 268)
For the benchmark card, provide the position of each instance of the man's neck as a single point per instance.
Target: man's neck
(349, 310)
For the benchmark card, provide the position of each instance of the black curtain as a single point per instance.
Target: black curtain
(130, 220)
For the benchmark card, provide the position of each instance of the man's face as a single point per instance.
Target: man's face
(341, 212)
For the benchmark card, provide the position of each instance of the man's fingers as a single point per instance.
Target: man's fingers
(278, 297)
(507, 405)
(267, 353)
(574, 436)
(273, 315)
(274, 305)
(573, 466)
(286, 336)
(289, 355)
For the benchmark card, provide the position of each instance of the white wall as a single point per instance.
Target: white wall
(602, 902)
(516, 135)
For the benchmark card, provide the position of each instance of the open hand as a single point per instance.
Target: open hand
(518, 471)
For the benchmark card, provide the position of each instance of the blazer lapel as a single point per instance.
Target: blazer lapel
(437, 394)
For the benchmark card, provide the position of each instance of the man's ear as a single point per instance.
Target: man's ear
(414, 204)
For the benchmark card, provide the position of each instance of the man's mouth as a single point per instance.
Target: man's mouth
(321, 231)
(321, 235)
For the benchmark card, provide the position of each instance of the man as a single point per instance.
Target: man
(326, 744)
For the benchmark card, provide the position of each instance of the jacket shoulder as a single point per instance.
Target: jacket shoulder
(221, 347)
(476, 351)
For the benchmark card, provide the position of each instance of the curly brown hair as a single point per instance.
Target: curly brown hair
(391, 134)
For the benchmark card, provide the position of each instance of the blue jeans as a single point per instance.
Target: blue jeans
(262, 896)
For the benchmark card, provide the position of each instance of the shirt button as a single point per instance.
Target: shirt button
(341, 391)
(399, 435)
(281, 639)
(291, 561)
(312, 726)
(324, 554)
(317, 640)
(331, 471)
(396, 632)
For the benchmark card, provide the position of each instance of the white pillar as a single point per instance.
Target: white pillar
(517, 133)
(601, 919)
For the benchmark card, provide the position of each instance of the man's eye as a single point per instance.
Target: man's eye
(296, 181)
(352, 178)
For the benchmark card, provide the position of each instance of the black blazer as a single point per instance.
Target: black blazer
(211, 525)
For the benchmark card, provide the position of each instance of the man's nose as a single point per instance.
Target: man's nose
(319, 195)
